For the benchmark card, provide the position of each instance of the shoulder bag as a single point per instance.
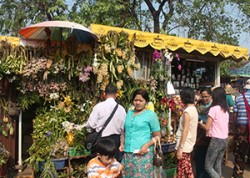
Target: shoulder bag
(92, 138)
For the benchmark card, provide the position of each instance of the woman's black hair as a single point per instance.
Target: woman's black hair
(106, 147)
(206, 89)
(187, 95)
(141, 92)
(219, 98)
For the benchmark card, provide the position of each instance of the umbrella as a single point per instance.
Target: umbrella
(58, 31)
(243, 71)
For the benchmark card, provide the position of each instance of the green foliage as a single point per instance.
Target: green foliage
(47, 130)
(200, 19)
(228, 64)
(169, 161)
(26, 101)
(17, 14)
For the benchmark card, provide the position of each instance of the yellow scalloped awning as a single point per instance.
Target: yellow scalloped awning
(12, 40)
(160, 41)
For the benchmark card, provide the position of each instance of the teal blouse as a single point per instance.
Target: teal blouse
(230, 101)
(138, 129)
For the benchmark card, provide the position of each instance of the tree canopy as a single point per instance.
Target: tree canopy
(219, 21)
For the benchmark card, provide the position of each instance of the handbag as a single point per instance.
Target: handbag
(158, 155)
(92, 138)
(248, 113)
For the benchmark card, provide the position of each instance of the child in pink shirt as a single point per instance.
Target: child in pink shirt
(217, 128)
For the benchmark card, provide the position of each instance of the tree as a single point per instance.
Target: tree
(16, 14)
(199, 19)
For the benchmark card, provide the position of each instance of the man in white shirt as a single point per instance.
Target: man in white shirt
(102, 111)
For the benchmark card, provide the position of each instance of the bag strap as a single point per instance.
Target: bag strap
(108, 120)
(157, 142)
(246, 104)
(248, 113)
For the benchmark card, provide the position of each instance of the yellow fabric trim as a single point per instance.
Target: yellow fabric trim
(11, 40)
(160, 41)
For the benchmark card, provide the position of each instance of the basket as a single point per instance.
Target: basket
(170, 172)
(168, 147)
(59, 163)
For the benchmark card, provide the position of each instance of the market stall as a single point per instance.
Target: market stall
(33, 73)
(64, 82)
(199, 58)
(189, 62)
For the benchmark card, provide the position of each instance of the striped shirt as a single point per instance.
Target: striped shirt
(240, 109)
(96, 169)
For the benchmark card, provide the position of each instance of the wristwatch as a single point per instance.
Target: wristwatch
(181, 146)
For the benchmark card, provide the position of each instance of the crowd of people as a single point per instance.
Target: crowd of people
(126, 145)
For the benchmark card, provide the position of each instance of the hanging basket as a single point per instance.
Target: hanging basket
(13, 108)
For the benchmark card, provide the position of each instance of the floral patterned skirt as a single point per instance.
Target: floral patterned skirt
(184, 166)
(137, 165)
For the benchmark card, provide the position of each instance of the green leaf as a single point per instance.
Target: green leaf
(5, 133)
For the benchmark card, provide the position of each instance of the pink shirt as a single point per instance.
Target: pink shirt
(219, 127)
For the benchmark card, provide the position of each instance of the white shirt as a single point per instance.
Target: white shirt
(192, 130)
(100, 114)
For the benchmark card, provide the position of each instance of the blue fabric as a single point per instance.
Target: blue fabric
(138, 129)
(240, 109)
(204, 117)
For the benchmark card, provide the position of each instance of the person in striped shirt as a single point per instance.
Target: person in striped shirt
(241, 132)
(104, 165)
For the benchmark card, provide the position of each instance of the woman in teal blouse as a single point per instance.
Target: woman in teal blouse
(140, 126)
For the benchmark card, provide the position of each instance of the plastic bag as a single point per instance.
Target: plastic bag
(159, 172)
(170, 88)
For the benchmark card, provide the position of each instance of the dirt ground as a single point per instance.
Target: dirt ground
(227, 169)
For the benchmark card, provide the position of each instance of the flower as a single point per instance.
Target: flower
(54, 96)
(179, 67)
(156, 55)
(119, 84)
(67, 100)
(130, 72)
(70, 127)
(118, 52)
(119, 93)
(120, 69)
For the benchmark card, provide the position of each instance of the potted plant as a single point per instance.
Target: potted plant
(75, 138)
(4, 157)
(169, 164)
(59, 153)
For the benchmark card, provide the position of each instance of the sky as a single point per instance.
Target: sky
(245, 41)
